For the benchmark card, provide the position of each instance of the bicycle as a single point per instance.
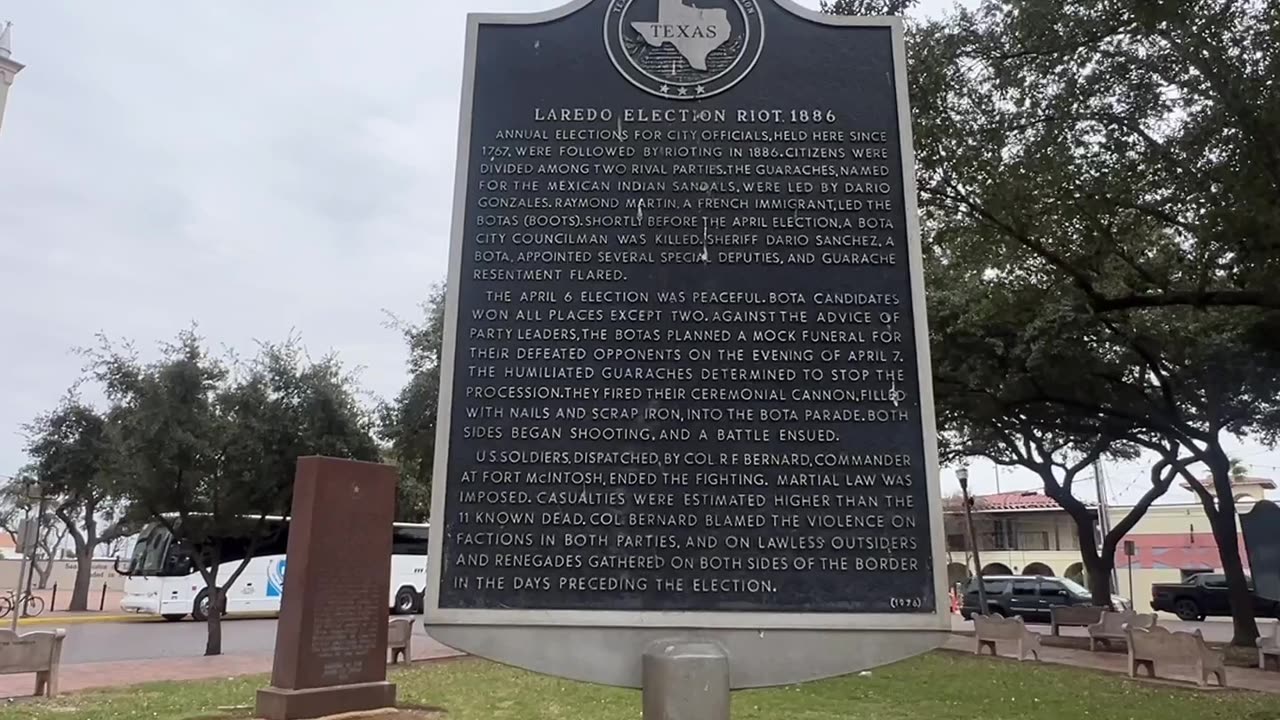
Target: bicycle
(32, 605)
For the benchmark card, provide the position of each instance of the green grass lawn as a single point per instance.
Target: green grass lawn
(941, 686)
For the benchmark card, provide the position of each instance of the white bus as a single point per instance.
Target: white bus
(161, 578)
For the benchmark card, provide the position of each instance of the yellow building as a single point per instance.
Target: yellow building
(1173, 542)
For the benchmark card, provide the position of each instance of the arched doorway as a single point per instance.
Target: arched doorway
(1076, 573)
(1036, 568)
(957, 573)
(997, 569)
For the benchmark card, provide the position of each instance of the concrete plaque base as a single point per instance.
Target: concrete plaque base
(280, 704)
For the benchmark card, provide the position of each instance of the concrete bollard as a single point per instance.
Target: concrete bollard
(685, 680)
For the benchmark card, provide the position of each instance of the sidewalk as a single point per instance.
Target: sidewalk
(49, 621)
(59, 615)
(1237, 678)
(88, 676)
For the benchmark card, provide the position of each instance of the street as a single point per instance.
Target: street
(109, 641)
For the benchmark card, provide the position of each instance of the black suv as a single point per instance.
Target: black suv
(1030, 597)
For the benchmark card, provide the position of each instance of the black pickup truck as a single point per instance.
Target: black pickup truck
(1202, 596)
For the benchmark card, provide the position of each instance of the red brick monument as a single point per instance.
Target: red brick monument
(331, 645)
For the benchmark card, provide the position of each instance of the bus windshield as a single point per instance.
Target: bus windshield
(150, 550)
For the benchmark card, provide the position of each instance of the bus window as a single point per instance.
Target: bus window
(409, 539)
(149, 551)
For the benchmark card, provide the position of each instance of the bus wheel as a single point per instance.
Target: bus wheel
(173, 617)
(200, 609)
(406, 601)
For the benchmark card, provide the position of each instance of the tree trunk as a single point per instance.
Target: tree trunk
(84, 560)
(1223, 522)
(1243, 618)
(214, 643)
(43, 567)
(1097, 567)
(84, 576)
(213, 623)
(1098, 576)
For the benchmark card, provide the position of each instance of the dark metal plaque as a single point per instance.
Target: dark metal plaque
(1261, 528)
(687, 365)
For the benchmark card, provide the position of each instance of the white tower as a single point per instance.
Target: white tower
(9, 67)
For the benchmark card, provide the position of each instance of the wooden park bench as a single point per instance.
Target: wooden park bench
(991, 629)
(1158, 645)
(1269, 646)
(34, 652)
(1073, 616)
(400, 639)
(1112, 626)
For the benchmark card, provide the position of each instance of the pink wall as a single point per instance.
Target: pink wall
(1175, 551)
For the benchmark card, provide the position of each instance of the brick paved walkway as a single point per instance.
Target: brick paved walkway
(1243, 678)
(86, 676)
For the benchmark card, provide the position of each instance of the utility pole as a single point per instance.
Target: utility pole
(1104, 516)
(963, 476)
(9, 68)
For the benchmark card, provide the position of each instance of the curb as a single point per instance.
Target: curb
(124, 618)
(83, 620)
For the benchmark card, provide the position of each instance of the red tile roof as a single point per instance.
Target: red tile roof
(1007, 502)
(1023, 500)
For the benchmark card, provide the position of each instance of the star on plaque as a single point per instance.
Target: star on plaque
(664, 89)
(701, 89)
(684, 91)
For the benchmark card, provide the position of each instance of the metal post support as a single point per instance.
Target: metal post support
(1132, 599)
(685, 680)
(22, 570)
(35, 549)
(963, 475)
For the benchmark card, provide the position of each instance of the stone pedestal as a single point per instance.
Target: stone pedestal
(331, 645)
(277, 704)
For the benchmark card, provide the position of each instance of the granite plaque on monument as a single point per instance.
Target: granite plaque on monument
(331, 641)
(685, 387)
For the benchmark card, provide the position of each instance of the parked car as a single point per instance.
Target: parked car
(1029, 597)
(1204, 595)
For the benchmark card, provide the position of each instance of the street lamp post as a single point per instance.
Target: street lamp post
(963, 476)
(28, 540)
(35, 492)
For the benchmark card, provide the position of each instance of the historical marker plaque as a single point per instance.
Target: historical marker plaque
(686, 373)
(331, 645)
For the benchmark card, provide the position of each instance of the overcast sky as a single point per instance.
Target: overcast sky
(260, 168)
